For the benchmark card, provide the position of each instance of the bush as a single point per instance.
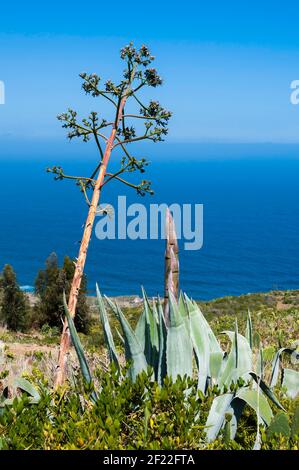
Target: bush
(126, 415)
(15, 307)
(49, 287)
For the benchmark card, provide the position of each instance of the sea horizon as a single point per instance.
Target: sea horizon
(251, 224)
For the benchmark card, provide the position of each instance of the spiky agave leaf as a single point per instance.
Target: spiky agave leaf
(155, 311)
(25, 386)
(215, 365)
(140, 329)
(201, 344)
(112, 306)
(151, 344)
(236, 410)
(276, 365)
(182, 304)
(162, 364)
(267, 390)
(107, 330)
(216, 416)
(133, 349)
(214, 343)
(239, 361)
(249, 330)
(290, 381)
(258, 402)
(184, 310)
(121, 338)
(234, 403)
(179, 346)
(260, 363)
(77, 344)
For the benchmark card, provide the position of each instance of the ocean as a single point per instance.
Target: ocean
(250, 237)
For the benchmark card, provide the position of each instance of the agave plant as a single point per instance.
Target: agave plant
(186, 347)
(289, 378)
(18, 384)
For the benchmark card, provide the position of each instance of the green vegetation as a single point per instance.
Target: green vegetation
(141, 399)
(236, 377)
(49, 286)
(22, 313)
(114, 411)
(14, 305)
(131, 415)
(159, 376)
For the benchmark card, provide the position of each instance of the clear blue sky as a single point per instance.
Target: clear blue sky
(227, 65)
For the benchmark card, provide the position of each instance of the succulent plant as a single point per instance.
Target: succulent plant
(188, 347)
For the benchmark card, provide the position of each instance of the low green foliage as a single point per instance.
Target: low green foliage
(127, 415)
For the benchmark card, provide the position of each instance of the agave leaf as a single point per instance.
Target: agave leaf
(201, 344)
(216, 360)
(216, 417)
(140, 329)
(249, 330)
(120, 336)
(276, 365)
(182, 305)
(77, 344)
(184, 311)
(214, 343)
(236, 409)
(112, 305)
(258, 402)
(133, 349)
(2, 346)
(155, 312)
(239, 360)
(179, 347)
(107, 330)
(26, 386)
(295, 424)
(279, 425)
(6, 402)
(257, 443)
(162, 366)
(260, 364)
(290, 381)
(151, 348)
(267, 390)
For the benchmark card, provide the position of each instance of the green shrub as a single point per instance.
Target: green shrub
(15, 305)
(49, 287)
(127, 415)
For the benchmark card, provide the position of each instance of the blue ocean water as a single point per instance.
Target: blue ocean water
(251, 226)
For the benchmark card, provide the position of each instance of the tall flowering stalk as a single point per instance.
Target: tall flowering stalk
(108, 135)
(171, 282)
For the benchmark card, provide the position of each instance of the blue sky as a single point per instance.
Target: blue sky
(227, 67)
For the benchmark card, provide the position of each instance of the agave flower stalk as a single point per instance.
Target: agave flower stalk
(171, 264)
(154, 118)
(76, 283)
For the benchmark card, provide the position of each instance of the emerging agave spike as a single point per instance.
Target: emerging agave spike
(171, 264)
